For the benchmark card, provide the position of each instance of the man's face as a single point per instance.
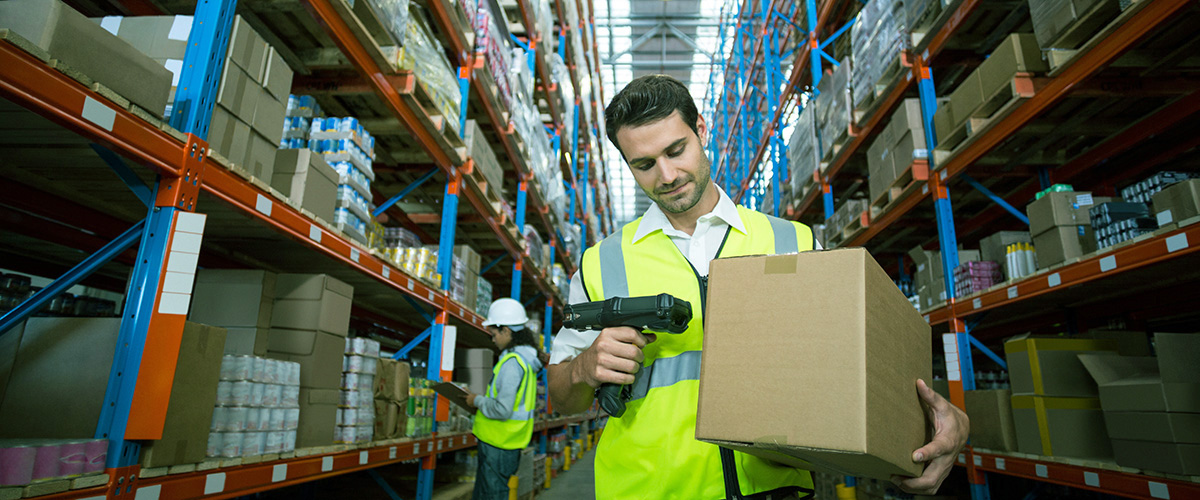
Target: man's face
(667, 161)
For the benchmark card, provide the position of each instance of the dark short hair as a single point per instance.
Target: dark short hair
(523, 336)
(648, 99)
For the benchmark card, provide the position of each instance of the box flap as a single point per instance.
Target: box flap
(310, 286)
(1177, 355)
(1110, 368)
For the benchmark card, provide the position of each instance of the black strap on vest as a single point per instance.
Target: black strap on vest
(729, 468)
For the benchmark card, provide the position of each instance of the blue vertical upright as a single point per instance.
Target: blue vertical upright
(518, 263)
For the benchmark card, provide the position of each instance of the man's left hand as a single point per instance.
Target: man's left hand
(951, 428)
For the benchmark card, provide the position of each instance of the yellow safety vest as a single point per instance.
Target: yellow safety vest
(514, 433)
(652, 451)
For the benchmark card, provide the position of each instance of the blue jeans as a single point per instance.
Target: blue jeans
(495, 467)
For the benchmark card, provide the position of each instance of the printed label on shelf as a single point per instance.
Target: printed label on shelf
(1041, 470)
(1108, 263)
(978, 460)
(962, 458)
(429, 447)
(263, 205)
(921, 268)
(190, 222)
(392, 453)
(449, 339)
(185, 241)
(949, 345)
(326, 464)
(214, 483)
(1177, 242)
(1091, 479)
(416, 448)
(1054, 280)
(152, 492)
(431, 296)
(943, 174)
(181, 262)
(178, 282)
(362, 458)
(977, 303)
(1158, 490)
(464, 440)
(354, 254)
(279, 473)
(1012, 292)
(1165, 218)
(925, 189)
(439, 445)
(97, 112)
(1000, 463)
(174, 303)
(1083, 200)
(410, 287)
(387, 272)
(314, 233)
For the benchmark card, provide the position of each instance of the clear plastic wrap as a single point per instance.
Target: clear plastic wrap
(803, 150)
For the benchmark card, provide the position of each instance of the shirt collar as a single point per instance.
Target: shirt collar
(655, 220)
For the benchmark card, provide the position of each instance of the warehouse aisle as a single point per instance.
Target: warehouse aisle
(575, 484)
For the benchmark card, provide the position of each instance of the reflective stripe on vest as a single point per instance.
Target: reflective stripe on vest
(612, 256)
(665, 372)
(785, 236)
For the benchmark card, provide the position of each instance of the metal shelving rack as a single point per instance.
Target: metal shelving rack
(742, 104)
(177, 155)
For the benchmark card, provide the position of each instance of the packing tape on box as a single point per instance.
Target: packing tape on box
(1034, 345)
(780, 264)
(1040, 404)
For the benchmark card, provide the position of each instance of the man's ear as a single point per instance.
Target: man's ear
(702, 130)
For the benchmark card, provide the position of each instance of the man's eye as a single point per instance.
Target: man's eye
(675, 153)
(644, 166)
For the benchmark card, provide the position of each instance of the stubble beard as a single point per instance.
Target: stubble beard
(682, 205)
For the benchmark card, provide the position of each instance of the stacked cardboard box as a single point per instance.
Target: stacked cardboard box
(1055, 406)
(474, 368)
(1061, 226)
(1067, 24)
(845, 215)
(1144, 190)
(391, 398)
(993, 248)
(1150, 407)
(240, 300)
(901, 142)
(483, 296)
(832, 109)
(1019, 53)
(305, 178)
(485, 159)
(470, 262)
(525, 473)
(991, 416)
(877, 40)
(53, 374)
(85, 47)
(309, 324)
(804, 152)
(1178, 202)
(931, 287)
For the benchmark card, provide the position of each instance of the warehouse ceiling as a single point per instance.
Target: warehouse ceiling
(644, 37)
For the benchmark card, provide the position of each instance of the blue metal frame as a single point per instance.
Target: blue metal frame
(999, 201)
(446, 242)
(404, 192)
(208, 43)
(392, 495)
(493, 263)
(522, 187)
(127, 175)
(417, 305)
(987, 352)
(412, 344)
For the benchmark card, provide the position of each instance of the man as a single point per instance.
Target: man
(651, 451)
(504, 417)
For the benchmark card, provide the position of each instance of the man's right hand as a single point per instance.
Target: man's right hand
(614, 357)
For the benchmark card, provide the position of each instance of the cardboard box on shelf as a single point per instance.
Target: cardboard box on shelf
(189, 412)
(88, 48)
(1018, 53)
(233, 297)
(990, 413)
(305, 178)
(237, 93)
(1062, 243)
(250, 341)
(882, 348)
(391, 394)
(318, 417)
(277, 76)
(1177, 202)
(966, 98)
(1060, 427)
(1158, 426)
(247, 49)
(319, 354)
(943, 122)
(1048, 366)
(312, 302)
(1173, 458)
(994, 247)
(159, 37)
(476, 378)
(268, 116)
(260, 157)
(1062, 208)
(1168, 383)
(1067, 24)
(474, 358)
(1129, 343)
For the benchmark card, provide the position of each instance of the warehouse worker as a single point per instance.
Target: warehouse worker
(504, 417)
(651, 451)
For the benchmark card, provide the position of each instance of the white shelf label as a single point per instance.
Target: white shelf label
(183, 241)
(96, 112)
(354, 254)
(1041, 470)
(149, 492)
(1054, 280)
(926, 318)
(409, 283)
(263, 205)
(314, 233)
(449, 339)
(362, 458)
(429, 447)
(962, 459)
(1108, 263)
(387, 272)
(942, 174)
(431, 296)
(279, 473)
(1158, 490)
(416, 448)
(214, 483)
(977, 303)
(1165, 218)
(978, 461)
(1091, 479)
(464, 440)
(439, 445)
(1000, 464)
(1012, 292)
(392, 453)
(326, 464)
(1177, 242)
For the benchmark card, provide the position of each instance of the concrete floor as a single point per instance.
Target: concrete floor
(575, 484)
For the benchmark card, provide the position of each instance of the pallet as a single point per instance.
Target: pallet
(1096, 19)
(907, 183)
(1060, 59)
(850, 230)
(835, 149)
(414, 94)
(995, 108)
(460, 26)
(485, 191)
(891, 77)
(366, 27)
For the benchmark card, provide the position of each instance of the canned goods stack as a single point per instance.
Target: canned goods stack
(258, 407)
(356, 410)
(420, 408)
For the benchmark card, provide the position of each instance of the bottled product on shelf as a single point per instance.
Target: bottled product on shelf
(1021, 260)
(425, 57)
(484, 296)
(356, 409)
(420, 408)
(257, 410)
(1143, 191)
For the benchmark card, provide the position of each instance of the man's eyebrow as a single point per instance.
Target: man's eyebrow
(672, 145)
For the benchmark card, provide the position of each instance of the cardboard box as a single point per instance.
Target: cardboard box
(251, 341)
(230, 136)
(906, 120)
(880, 172)
(159, 37)
(967, 98)
(268, 117)
(391, 395)
(476, 378)
(990, 413)
(906, 151)
(305, 178)
(312, 302)
(1018, 53)
(1161, 427)
(247, 49)
(1063, 208)
(1060, 427)
(994, 247)
(474, 358)
(1062, 243)
(318, 417)
(260, 157)
(1172, 458)
(189, 412)
(943, 122)
(232, 93)
(881, 348)
(1177, 202)
(933, 293)
(319, 354)
(277, 76)
(88, 48)
(242, 298)
(1169, 382)
(1050, 366)
(1128, 343)
(1067, 24)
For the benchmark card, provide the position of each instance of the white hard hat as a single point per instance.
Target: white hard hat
(506, 312)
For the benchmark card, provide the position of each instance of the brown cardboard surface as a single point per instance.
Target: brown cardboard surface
(189, 413)
(312, 301)
(1129, 343)
(1177, 356)
(1018, 53)
(1049, 366)
(251, 341)
(304, 177)
(966, 98)
(10, 341)
(86, 47)
(319, 355)
(943, 121)
(268, 118)
(233, 297)
(906, 151)
(990, 413)
(318, 417)
(260, 156)
(1161, 457)
(391, 380)
(151, 34)
(1177, 202)
(847, 330)
(1067, 208)
(237, 93)
(277, 76)
(474, 358)
(1153, 426)
(994, 247)
(1060, 243)
(247, 49)
(1063, 427)
(905, 120)
(1133, 383)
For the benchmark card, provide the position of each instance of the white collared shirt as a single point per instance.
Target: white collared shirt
(700, 248)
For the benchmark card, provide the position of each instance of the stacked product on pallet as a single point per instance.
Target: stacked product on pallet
(804, 152)
(832, 107)
(562, 77)
(490, 43)
(297, 122)
(356, 404)
(1000, 247)
(901, 143)
(391, 398)
(485, 159)
(561, 281)
(929, 279)
(1061, 226)
(1064, 24)
(393, 15)
(308, 181)
(425, 57)
(483, 296)
(975, 276)
(1117, 221)
(535, 247)
(847, 214)
(465, 285)
(29, 460)
(257, 409)
(350, 150)
(877, 39)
